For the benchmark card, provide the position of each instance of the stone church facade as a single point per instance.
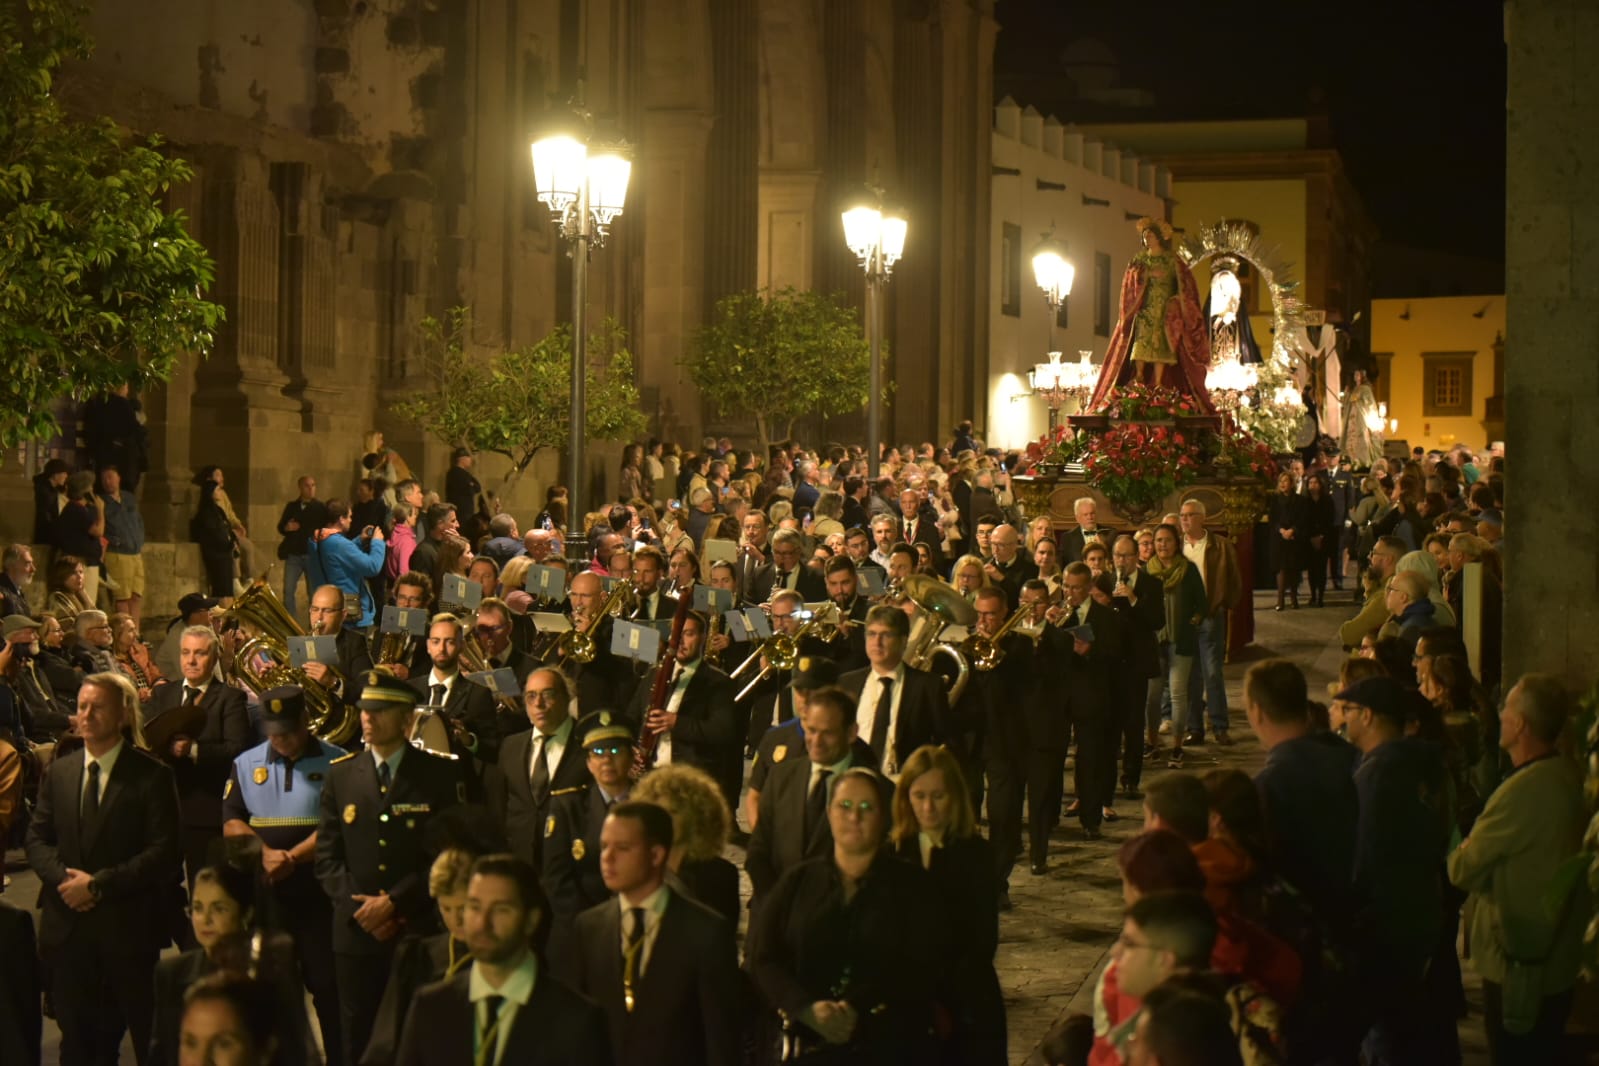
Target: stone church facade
(360, 164)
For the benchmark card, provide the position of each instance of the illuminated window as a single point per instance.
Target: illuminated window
(1010, 271)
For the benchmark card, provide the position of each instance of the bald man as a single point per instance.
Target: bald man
(606, 683)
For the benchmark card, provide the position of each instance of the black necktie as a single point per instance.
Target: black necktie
(635, 935)
(385, 778)
(91, 794)
(885, 702)
(191, 696)
(541, 770)
(782, 579)
(439, 692)
(816, 802)
(489, 1044)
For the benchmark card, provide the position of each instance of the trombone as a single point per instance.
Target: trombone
(578, 645)
(781, 651)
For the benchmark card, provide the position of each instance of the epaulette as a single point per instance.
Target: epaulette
(344, 758)
(574, 790)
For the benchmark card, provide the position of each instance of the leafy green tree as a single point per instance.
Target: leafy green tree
(518, 401)
(780, 356)
(99, 285)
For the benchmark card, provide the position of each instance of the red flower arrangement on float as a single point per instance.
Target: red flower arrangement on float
(1137, 465)
(1137, 402)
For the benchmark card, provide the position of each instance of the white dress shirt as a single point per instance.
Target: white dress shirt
(663, 747)
(107, 762)
(1194, 552)
(866, 711)
(516, 991)
(654, 906)
(553, 747)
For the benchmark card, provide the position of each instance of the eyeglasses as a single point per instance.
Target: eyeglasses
(855, 806)
(603, 750)
(488, 630)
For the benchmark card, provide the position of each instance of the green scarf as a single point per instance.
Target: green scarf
(1172, 576)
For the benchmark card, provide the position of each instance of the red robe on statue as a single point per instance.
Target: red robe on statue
(1185, 332)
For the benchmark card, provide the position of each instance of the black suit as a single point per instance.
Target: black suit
(1048, 735)
(484, 716)
(811, 586)
(571, 867)
(924, 529)
(923, 710)
(663, 608)
(994, 706)
(21, 1023)
(370, 842)
(854, 516)
(520, 663)
(355, 659)
(1072, 542)
(100, 960)
(782, 839)
(708, 733)
(557, 1027)
(754, 574)
(1017, 573)
(1095, 722)
(686, 1003)
(1140, 661)
(521, 812)
(606, 683)
(224, 737)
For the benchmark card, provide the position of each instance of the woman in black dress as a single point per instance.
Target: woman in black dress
(1321, 534)
(222, 913)
(1287, 537)
(936, 829)
(210, 529)
(849, 948)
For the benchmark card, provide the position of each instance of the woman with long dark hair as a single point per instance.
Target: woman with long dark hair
(1321, 535)
(1287, 538)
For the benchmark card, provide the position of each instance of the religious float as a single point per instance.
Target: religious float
(1184, 405)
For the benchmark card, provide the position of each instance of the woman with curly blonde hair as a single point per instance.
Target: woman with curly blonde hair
(701, 822)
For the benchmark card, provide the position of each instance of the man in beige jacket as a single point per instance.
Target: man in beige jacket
(1525, 931)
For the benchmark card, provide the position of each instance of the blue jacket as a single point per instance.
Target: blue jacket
(341, 562)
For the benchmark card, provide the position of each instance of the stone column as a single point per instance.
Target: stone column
(1552, 385)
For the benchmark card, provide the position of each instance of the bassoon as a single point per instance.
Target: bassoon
(648, 739)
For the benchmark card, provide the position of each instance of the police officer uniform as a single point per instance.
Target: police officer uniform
(571, 851)
(280, 801)
(370, 842)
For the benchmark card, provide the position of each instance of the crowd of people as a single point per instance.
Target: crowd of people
(455, 805)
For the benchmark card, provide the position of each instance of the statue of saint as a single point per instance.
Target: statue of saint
(1161, 336)
(1363, 422)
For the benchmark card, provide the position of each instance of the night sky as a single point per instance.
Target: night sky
(1414, 89)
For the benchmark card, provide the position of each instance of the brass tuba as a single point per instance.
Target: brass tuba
(259, 608)
(937, 607)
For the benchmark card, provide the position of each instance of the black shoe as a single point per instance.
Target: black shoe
(1040, 869)
(1224, 739)
(1194, 740)
(1004, 900)
(1108, 813)
(1131, 792)
(1151, 751)
(1278, 607)
(1091, 832)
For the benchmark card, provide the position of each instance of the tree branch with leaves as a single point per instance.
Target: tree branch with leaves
(518, 401)
(100, 286)
(780, 356)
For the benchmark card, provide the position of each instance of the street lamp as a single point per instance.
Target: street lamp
(1054, 274)
(584, 186)
(877, 237)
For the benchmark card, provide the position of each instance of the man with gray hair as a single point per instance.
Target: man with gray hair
(198, 728)
(806, 491)
(1217, 562)
(1088, 531)
(1529, 830)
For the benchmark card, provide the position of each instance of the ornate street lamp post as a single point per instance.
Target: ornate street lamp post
(584, 186)
(877, 237)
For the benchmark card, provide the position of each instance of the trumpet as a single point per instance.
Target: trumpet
(578, 645)
(985, 653)
(711, 655)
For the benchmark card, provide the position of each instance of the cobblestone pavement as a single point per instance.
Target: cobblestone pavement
(1054, 943)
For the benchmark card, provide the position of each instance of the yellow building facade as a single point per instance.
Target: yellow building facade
(1438, 360)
